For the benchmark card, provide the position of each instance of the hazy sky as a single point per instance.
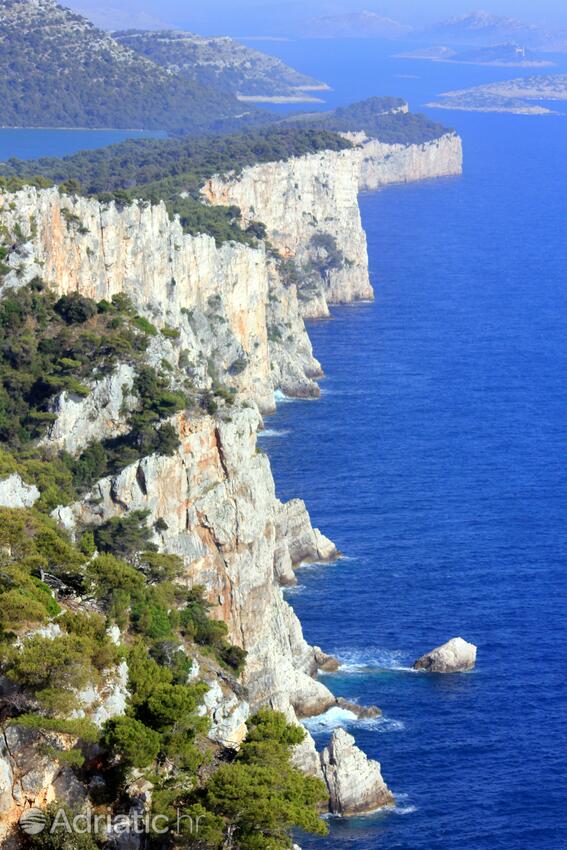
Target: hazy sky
(240, 17)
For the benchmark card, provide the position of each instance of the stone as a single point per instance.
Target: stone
(363, 712)
(455, 656)
(354, 782)
(15, 493)
(326, 663)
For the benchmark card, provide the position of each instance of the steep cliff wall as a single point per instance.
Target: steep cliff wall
(382, 164)
(216, 495)
(310, 207)
(226, 302)
(230, 313)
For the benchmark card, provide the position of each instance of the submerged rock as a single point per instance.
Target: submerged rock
(355, 782)
(455, 656)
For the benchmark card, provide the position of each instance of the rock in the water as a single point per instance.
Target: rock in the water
(355, 782)
(363, 712)
(326, 663)
(455, 656)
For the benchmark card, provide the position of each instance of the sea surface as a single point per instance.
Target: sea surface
(436, 460)
(31, 144)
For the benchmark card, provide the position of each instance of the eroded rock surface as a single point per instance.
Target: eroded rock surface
(355, 782)
(455, 656)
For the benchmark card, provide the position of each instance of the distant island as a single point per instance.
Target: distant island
(353, 25)
(508, 96)
(59, 70)
(510, 55)
(222, 62)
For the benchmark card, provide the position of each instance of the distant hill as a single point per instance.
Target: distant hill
(58, 70)
(222, 63)
(484, 28)
(354, 25)
(509, 55)
(383, 118)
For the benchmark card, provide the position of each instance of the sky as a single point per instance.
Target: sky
(243, 17)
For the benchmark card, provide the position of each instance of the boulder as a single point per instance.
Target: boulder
(363, 712)
(354, 782)
(326, 663)
(455, 656)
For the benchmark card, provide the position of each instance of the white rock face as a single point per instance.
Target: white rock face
(355, 783)
(228, 716)
(315, 197)
(382, 164)
(455, 656)
(15, 493)
(228, 304)
(96, 417)
(108, 700)
(300, 201)
(217, 497)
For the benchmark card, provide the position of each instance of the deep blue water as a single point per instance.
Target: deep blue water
(436, 461)
(30, 144)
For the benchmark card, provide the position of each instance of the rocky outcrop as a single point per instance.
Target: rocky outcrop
(216, 496)
(383, 164)
(355, 783)
(455, 656)
(310, 207)
(15, 493)
(102, 414)
(31, 775)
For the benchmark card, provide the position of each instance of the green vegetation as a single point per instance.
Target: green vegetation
(58, 70)
(160, 170)
(372, 117)
(48, 346)
(255, 801)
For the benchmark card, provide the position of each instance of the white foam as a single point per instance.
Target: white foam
(332, 719)
(281, 397)
(272, 432)
(373, 661)
(343, 718)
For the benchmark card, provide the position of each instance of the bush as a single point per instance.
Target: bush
(125, 536)
(134, 743)
(75, 309)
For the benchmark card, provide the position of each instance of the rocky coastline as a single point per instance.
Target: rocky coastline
(232, 316)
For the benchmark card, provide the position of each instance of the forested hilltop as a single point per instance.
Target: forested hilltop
(173, 170)
(58, 70)
(384, 118)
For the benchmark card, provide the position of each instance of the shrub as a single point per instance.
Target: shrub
(134, 743)
(125, 536)
(75, 308)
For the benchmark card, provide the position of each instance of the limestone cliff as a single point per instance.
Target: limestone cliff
(230, 314)
(384, 164)
(310, 207)
(233, 314)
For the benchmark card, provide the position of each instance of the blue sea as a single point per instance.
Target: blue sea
(31, 144)
(436, 460)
